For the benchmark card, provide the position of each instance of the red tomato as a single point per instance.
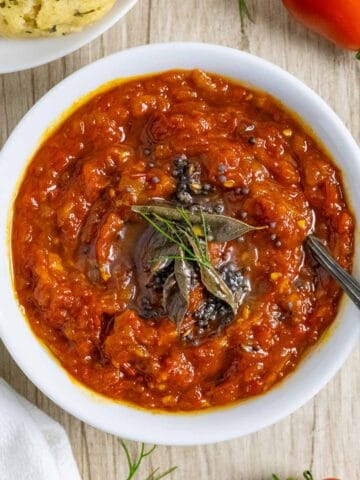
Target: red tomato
(337, 21)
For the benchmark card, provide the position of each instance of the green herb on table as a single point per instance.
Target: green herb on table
(307, 476)
(135, 463)
(244, 14)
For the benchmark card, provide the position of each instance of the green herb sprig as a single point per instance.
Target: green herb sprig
(135, 463)
(244, 14)
(177, 234)
(307, 475)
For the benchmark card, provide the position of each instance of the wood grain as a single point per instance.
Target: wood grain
(323, 435)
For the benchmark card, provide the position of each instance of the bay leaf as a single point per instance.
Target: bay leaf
(183, 271)
(175, 303)
(214, 284)
(156, 250)
(222, 228)
(212, 280)
(150, 258)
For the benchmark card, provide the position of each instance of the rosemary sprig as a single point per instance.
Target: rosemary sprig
(244, 14)
(135, 463)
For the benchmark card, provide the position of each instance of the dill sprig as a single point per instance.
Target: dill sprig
(135, 463)
(179, 232)
(202, 247)
(205, 233)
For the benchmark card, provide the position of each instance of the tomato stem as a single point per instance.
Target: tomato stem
(357, 55)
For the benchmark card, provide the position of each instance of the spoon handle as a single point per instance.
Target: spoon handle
(344, 279)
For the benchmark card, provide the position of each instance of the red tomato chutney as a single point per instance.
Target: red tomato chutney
(75, 240)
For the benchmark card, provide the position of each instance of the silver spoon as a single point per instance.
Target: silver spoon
(348, 283)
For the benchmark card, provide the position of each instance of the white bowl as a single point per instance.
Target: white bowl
(20, 54)
(175, 429)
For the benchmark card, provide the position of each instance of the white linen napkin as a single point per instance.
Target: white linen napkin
(32, 445)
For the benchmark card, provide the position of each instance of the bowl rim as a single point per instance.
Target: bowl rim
(79, 39)
(178, 429)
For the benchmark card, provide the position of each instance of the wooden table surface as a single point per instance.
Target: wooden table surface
(324, 434)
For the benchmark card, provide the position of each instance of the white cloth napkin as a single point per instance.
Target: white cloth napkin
(32, 445)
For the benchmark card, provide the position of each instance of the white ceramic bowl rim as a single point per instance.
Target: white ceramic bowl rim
(21, 54)
(217, 425)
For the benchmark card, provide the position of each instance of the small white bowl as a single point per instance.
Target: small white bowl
(175, 429)
(20, 54)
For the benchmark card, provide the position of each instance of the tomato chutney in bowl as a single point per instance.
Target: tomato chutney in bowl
(157, 242)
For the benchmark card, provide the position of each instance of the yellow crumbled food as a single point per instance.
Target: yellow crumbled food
(284, 285)
(287, 132)
(245, 312)
(55, 262)
(169, 400)
(275, 276)
(105, 274)
(245, 256)
(229, 183)
(39, 18)
(302, 223)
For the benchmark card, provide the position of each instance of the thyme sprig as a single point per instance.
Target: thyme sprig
(135, 463)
